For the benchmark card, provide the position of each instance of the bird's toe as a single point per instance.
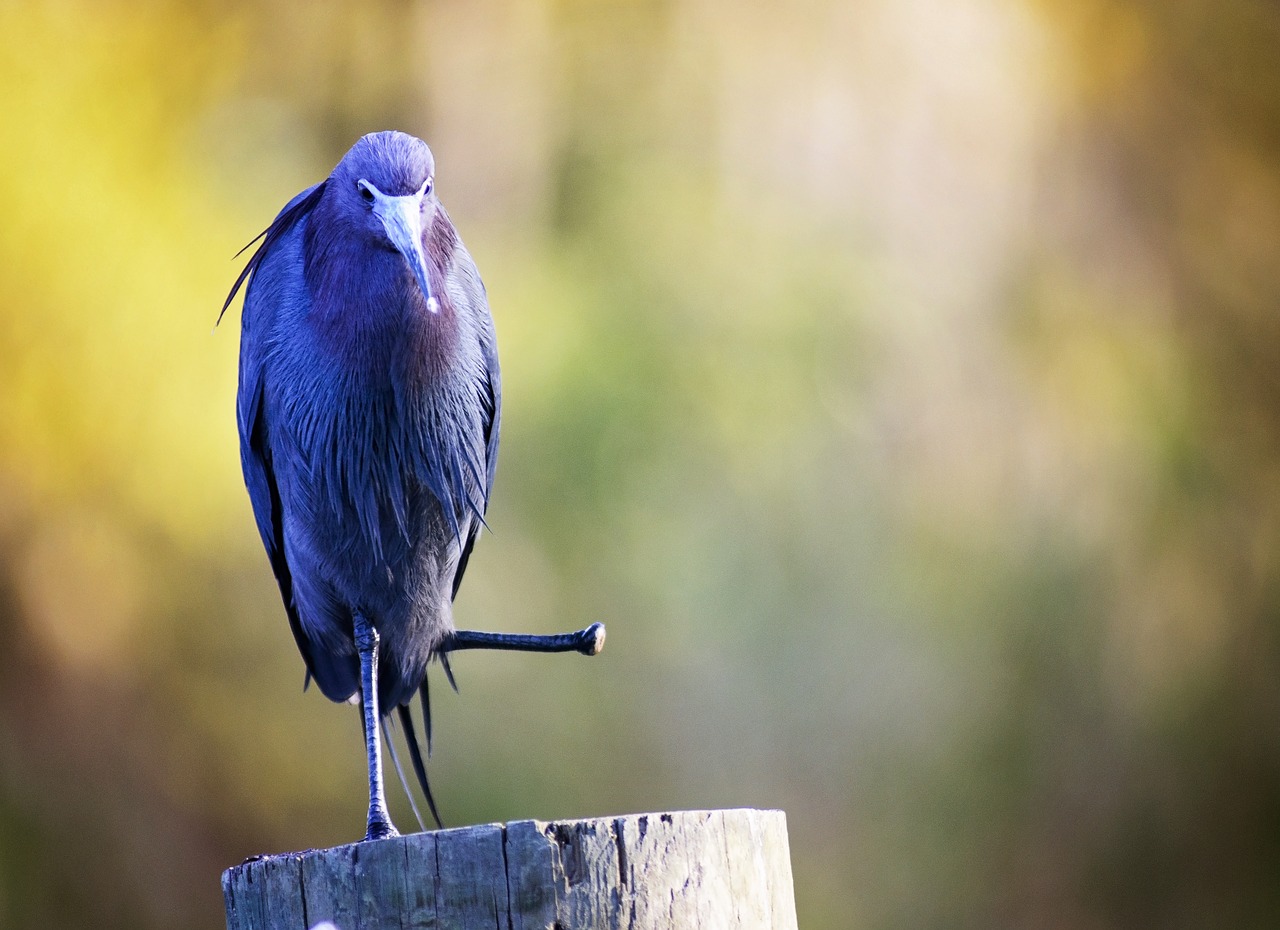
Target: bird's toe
(381, 830)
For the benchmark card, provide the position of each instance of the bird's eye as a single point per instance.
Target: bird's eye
(426, 188)
(366, 191)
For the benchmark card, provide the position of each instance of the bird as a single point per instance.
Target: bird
(368, 408)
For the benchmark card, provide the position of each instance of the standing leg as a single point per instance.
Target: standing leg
(380, 825)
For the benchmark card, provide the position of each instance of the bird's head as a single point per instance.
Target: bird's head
(385, 187)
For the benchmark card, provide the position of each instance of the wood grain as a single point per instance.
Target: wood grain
(685, 870)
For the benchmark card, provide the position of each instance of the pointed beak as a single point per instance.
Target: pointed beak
(402, 219)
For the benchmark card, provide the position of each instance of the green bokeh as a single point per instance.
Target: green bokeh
(898, 380)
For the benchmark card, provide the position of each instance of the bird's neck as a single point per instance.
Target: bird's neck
(369, 311)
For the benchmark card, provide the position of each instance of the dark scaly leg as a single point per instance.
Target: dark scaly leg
(380, 825)
(589, 642)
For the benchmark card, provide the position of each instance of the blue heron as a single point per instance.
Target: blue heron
(368, 409)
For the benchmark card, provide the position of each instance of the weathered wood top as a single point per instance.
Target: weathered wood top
(701, 870)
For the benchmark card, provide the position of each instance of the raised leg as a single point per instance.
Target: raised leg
(589, 642)
(380, 825)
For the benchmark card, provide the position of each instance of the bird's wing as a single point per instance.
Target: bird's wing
(490, 390)
(492, 399)
(255, 451)
(293, 211)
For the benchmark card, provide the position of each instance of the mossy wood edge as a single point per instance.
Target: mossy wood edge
(700, 870)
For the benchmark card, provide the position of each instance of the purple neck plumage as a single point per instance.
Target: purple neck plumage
(367, 305)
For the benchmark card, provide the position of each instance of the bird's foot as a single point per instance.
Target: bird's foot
(380, 830)
(592, 640)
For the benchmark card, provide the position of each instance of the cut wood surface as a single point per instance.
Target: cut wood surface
(701, 870)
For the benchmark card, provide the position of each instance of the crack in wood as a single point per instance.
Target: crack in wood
(618, 831)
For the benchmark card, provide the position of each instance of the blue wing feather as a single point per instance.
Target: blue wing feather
(491, 406)
(255, 454)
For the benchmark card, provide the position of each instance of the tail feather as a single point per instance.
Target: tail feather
(415, 755)
(448, 671)
(395, 760)
(425, 698)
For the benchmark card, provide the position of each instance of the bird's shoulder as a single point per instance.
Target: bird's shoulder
(277, 290)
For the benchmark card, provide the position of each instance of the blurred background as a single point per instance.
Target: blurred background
(898, 379)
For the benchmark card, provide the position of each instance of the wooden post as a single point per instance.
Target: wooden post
(689, 870)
